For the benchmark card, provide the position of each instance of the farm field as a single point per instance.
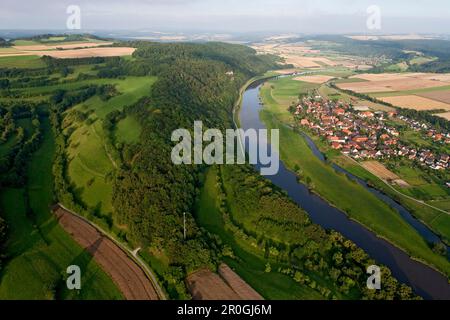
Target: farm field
(392, 82)
(63, 48)
(383, 173)
(85, 53)
(319, 79)
(442, 96)
(415, 102)
(302, 56)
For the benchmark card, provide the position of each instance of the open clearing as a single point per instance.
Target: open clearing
(86, 53)
(319, 79)
(206, 285)
(39, 47)
(128, 276)
(383, 173)
(69, 50)
(415, 102)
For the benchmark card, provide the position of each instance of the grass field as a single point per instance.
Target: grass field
(249, 266)
(31, 62)
(90, 159)
(347, 195)
(38, 250)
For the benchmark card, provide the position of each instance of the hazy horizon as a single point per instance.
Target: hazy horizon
(301, 16)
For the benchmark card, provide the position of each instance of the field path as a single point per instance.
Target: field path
(133, 278)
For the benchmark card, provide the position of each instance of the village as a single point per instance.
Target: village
(363, 134)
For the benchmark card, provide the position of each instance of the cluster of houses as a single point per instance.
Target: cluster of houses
(364, 134)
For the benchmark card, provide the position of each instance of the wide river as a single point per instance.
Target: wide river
(425, 281)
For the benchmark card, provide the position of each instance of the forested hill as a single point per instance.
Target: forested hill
(195, 82)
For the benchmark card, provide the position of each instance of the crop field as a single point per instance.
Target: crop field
(415, 102)
(383, 173)
(63, 46)
(442, 96)
(86, 53)
(304, 57)
(319, 79)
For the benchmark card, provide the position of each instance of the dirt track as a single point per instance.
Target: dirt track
(126, 274)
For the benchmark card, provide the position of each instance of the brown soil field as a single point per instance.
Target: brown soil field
(126, 274)
(364, 87)
(415, 102)
(442, 96)
(401, 84)
(315, 79)
(206, 285)
(81, 50)
(383, 173)
(243, 290)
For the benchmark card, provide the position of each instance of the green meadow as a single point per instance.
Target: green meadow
(30, 62)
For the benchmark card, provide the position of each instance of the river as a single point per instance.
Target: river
(425, 281)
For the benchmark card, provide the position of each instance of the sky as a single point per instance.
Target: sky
(296, 16)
